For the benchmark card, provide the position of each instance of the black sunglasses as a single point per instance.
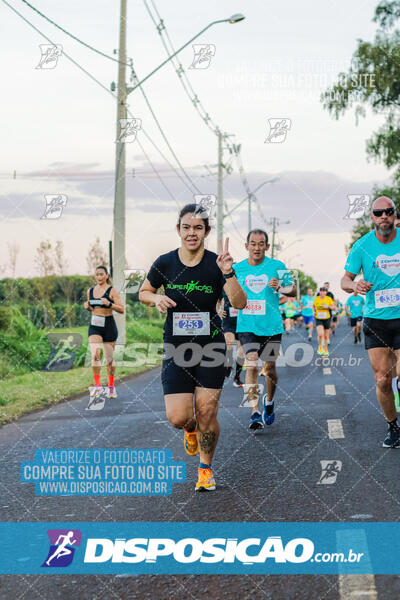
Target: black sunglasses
(378, 212)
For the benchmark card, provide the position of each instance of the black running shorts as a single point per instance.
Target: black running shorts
(381, 333)
(200, 366)
(229, 326)
(355, 320)
(267, 346)
(326, 323)
(109, 332)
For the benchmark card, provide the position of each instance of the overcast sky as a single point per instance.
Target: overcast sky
(58, 126)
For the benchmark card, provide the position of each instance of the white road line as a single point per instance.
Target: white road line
(355, 587)
(327, 371)
(330, 390)
(335, 429)
(352, 587)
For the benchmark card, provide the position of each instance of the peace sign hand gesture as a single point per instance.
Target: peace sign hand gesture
(225, 260)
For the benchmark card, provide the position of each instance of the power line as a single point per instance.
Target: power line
(163, 134)
(180, 71)
(71, 35)
(98, 83)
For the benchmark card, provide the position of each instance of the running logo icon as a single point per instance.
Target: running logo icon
(329, 471)
(203, 54)
(133, 279)
(50, 54)
(205, 205)
(128, 129)
(278, 130)
(55, 203)
(358, 206)
(63, 543)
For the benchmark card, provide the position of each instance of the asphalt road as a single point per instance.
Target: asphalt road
(271, 476)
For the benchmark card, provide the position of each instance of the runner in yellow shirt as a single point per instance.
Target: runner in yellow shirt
(323, 304)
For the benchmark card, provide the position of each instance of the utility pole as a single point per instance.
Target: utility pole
(249, 213)
(220, 205)
(275, 222)
(119, 198)
(273, 236)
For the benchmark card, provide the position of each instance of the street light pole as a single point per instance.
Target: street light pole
(249, 213)
(119, 198)
(220, 205)
(119, 193)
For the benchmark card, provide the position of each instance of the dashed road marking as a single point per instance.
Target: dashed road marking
(335, 429)
(355, 587)
(327, 371)
(330, 390)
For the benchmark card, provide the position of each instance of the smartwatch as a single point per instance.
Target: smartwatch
(229, 275)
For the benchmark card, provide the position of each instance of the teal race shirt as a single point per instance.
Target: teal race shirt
(355, 304)
(307, 302)
(380, 264)
(262, 314)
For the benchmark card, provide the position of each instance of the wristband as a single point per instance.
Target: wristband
(229, 275)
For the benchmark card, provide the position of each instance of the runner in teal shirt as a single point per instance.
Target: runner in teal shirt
(307, 303)
(262, 315)
(355, 304)
(259, 324)
(377, 254)
(380, 264)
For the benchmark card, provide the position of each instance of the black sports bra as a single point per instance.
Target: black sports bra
(97, 301)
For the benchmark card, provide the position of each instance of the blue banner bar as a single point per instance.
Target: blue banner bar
(195, 548)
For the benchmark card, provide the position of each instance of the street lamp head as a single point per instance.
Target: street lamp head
(236, 18)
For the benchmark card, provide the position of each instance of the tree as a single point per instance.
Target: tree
(373, 81)
(305, 282)
(13, 251)
(44, 260)
(66, 283)
(44, 284)
(96, 256)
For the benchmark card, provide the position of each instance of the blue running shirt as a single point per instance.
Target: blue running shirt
(262, 315)
(355, 303)
(380, 264)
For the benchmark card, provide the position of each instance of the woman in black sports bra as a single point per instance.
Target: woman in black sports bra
(102, 299)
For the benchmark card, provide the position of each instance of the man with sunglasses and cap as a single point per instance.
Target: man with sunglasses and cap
(377, 253)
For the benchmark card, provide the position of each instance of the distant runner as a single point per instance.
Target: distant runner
(228, 315)
(323, 304)
(102, 300)
(355, 306)
(307, 302)
(260, 324)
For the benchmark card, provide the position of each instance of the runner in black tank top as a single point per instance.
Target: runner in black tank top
(194, 346)
(102, 299)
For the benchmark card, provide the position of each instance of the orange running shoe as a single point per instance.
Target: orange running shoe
(206, 481)
(191, 443)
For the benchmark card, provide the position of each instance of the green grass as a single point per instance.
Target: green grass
(25, 392)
